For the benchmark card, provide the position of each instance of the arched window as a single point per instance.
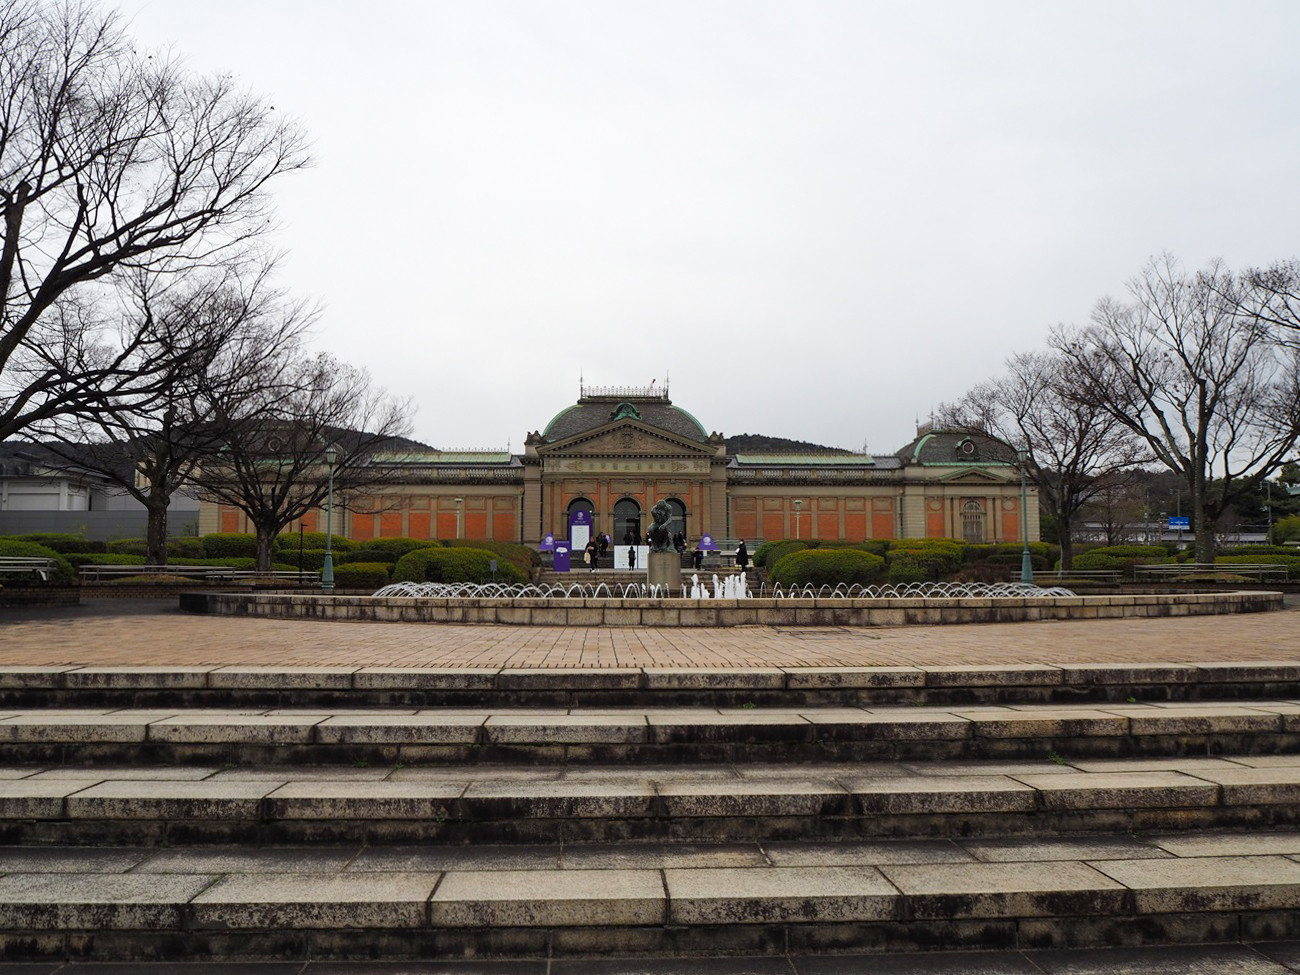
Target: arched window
(677, 523)
(972, 521)
(582, 504)
(627, 522)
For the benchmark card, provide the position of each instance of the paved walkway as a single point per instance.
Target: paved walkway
(139, 633)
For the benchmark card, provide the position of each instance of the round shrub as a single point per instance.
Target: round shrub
(60, 542)
(454, 565)
(828, 567)
(523, 558)
(361, 575)
(770, 553)
(62, 572)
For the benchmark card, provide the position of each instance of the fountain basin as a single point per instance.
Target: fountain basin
(827, 611)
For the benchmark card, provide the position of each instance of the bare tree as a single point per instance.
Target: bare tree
(111, 161)
(203, 338)
(269, 460)
(1190, 367)
(1074, 448)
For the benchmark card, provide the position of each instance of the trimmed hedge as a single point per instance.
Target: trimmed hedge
(923, 559)
(1290, 560)
(241, 562)
(184, 547)
(236, 545)
(361, 575)
(62, 567)
(288, 542)
(128, 546)
(59, 542)
(392, 549)
(78, 559)
(828, 567)
(1042, 554)
(454, 565)
(1123, 557)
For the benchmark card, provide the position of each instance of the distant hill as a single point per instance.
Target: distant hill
(757, 443)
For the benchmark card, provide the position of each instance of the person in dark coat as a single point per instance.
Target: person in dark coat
(698, 558)
(631, 556)
(589, 555)
(742, 556)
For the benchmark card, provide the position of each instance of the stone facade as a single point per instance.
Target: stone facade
(616, 452)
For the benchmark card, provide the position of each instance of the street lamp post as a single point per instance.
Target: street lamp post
(460, 524)
(1026, 566)
(327, 571)
(797, 505)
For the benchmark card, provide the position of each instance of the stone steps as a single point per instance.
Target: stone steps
(333, 823)
(575, 736)
(449, 805)
(553, 902)
(237, 686)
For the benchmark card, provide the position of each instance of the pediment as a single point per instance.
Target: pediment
(626, 437)
(969, 476)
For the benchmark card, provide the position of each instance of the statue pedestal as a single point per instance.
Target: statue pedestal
(665, 569)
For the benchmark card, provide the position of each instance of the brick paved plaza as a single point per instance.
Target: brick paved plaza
(105, 633)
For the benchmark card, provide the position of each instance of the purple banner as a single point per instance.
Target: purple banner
(561, 559)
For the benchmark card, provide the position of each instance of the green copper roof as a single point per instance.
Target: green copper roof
(448, 457)
(810, 460)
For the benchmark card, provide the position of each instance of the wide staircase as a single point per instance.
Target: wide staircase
(246, 814)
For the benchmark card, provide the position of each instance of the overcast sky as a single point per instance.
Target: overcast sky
(822, 219)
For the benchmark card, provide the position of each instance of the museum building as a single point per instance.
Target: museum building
(618, 451)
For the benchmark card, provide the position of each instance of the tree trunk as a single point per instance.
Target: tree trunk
(265, 545)
(1064, 538)
(156, 535)
(1203, 524)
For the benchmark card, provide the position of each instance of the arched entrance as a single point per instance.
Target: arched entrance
(627, 522)
(580, 523)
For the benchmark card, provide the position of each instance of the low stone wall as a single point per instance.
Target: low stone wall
(21, 597)
(724, 612)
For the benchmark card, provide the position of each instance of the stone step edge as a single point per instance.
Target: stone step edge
(654, 898)
(631, 726)
(453, 801)
(343, 679)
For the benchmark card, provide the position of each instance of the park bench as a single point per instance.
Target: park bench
(206, 573)
(1056, 575)
(38, 566)
(1260, 570)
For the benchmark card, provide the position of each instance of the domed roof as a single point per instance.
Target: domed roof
(597, 408)
(957, 446)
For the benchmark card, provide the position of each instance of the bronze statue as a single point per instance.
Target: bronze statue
(660, 538)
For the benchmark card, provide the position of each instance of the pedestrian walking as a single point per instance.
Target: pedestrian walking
(742, 556)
